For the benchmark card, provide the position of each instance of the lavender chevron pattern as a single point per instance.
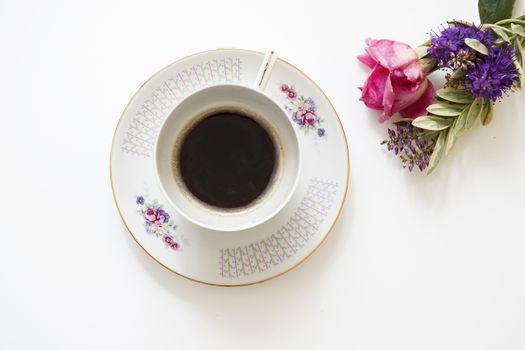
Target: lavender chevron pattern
(287, 241)
(144, 127)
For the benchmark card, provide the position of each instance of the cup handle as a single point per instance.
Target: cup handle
(265, 70)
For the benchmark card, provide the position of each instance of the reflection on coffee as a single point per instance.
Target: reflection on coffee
(227, 159)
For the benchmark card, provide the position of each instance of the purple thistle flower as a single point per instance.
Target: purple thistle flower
(140, 200)
(452, 40)
(494, 75)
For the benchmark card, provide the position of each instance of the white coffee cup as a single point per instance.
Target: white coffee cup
(251, 102)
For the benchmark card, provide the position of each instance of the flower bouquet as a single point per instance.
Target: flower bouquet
(483, 63)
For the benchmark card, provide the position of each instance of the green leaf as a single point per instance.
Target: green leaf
(458, 73)
(518, 63)
(403, 120)
(519, 82)
(475, 44)
(475, 110)
(510, 21)
(431, 122)
(492, 11)
(428, 133)
(445, 109)
(501, 32)
(437, 153)
(519, 50)
(459, 21)
(517, 29)
(459, 123)
(428, 63)
(421, 51)
(484, 109)
(451, 138)
(486, 118)
(428, 42)
(454, 95)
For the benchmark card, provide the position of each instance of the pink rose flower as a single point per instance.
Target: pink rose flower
(310, 118)
(151, 215)
(397, 82)
(292, 94)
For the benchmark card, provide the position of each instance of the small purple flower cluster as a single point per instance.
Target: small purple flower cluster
(486, 76)
(413, 149)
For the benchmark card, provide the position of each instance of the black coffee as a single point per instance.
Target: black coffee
(227, 160)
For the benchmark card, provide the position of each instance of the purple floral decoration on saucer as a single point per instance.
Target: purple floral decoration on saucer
(303, 111)
(158, 222)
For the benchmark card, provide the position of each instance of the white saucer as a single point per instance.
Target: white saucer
(241, 257)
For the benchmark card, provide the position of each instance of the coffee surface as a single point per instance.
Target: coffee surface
(227, 160)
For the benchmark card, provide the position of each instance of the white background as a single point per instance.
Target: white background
(415, 262)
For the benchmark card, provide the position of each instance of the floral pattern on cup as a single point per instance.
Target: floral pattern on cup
(303, 111)
(158, 222)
